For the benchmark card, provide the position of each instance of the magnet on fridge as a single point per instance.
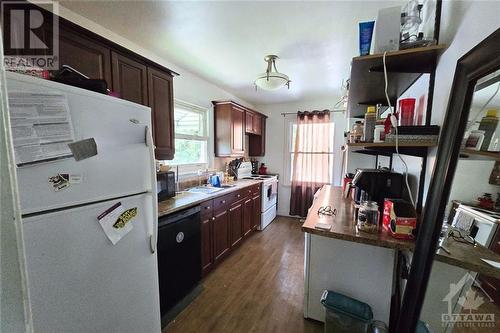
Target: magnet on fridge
(83, 149)
(116, 215)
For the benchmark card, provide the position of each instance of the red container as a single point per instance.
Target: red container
(406, 111)
(400, 218)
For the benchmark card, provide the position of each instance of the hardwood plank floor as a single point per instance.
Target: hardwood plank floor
(259, 288)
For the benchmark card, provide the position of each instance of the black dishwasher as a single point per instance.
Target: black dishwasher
(179, 256)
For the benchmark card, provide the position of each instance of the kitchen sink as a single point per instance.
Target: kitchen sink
(205, 189)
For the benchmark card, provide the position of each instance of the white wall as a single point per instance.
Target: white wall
(463, 25)
(275, 141)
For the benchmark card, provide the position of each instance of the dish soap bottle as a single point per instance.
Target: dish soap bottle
(370, 120)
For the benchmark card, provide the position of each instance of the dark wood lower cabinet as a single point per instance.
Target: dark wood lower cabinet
(221, 235)
(257, 204)
(225, 222)
(207, 255)
(235, 218)
(248, 214)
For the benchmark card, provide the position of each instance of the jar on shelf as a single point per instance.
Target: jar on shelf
(368, 216)
(357, 132)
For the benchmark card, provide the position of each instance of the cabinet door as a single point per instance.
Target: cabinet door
(221, 235)
(129, 79)
(248, 216)
(236, 221)
(161, 101)
(257, 143)
(257, 124)
(85, 55)
(257, 204)
(207, 258)
(237, 131)
(249, 119)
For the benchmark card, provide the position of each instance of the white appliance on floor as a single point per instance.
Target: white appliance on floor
(78, 280)
(269, 192)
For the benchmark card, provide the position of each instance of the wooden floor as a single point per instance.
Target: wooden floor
(259, 288)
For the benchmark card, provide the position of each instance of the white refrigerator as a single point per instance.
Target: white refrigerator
(79, 281)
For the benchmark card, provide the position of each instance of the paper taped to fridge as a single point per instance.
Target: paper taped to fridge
(41, 126)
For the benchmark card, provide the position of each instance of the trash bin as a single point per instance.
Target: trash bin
(345, 314)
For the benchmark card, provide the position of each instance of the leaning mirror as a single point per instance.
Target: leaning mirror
(454, 280)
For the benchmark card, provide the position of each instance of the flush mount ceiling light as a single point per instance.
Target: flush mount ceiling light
(271, 79)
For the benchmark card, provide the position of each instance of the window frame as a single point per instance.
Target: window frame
(192, 168)
(289, 122)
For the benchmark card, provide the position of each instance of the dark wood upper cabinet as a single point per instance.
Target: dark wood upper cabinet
(161, 101)
(232, 122)
(249, 122)
(257, 143)
(129, 78)
(253, 123)
(257, 124)
(238, 131)
(89, 57)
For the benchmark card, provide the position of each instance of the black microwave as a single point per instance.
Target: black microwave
(165, 184)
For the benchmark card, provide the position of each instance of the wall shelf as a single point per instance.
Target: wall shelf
(387, 149)
(384, 144)
(470, 154)
(404, 68)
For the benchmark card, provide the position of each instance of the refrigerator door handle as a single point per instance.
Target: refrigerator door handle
(153, 233)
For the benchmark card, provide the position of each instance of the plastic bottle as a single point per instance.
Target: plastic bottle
(370, 120)
(489, 125)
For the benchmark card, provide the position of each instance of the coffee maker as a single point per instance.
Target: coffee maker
(376, 185)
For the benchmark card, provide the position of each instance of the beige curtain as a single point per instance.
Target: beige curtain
(311, 167)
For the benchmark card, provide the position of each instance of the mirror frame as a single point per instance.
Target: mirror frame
(482, 60)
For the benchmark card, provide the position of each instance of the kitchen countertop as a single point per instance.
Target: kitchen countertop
(186, 199)
(344, 227)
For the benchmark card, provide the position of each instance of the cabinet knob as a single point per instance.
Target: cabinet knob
(208, 207)
(239, 195)
(223, 201)
(213, 218)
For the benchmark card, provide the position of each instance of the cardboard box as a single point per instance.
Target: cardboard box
(400, 218)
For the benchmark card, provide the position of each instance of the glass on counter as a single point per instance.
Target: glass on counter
(368, 216)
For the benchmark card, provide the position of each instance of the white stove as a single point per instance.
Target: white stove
(269, 192)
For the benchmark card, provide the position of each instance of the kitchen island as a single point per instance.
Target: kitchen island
(363, 265)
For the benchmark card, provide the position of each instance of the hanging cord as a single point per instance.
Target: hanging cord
(395, 125)
(472, 122)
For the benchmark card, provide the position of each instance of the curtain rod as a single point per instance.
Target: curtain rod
(331, 111)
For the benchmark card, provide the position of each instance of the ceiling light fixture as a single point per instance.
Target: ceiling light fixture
(271, 79)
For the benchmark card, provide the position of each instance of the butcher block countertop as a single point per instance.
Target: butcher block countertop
(186, 199)
(343, 226)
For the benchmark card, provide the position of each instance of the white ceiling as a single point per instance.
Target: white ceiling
(225, 42)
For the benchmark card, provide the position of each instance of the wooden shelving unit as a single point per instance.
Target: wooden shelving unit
(387, 149)
(392, 145)
(403, 69)
(479, 155)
